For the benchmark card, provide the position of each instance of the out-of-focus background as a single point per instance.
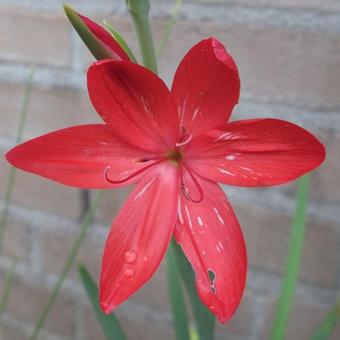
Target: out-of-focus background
(288, 53)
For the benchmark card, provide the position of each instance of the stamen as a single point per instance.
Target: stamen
(185, 190)
(123, 180)
(185, 138)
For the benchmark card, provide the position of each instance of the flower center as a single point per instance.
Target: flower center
(175, 156)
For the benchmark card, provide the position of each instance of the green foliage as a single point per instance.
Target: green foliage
(109, 323)
(293, 261)
(327, 325)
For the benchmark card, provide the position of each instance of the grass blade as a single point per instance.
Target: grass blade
(293, 261)
(67, 266)
(328, 324)
(205, 320)
(109, 323)
(168, 27)
(7, 287)
(11, 176)
(177, 300)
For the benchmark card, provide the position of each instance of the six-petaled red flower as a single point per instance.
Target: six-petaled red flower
(175, 145)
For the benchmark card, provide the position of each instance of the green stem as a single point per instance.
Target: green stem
(67, 265)
(12, 171)
(293, 261)
(139, 10)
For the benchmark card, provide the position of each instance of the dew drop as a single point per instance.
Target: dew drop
(145, 259)
(129, 272)
(130, 256)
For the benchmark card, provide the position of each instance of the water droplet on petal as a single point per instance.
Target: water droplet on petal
(129, 272)
(145, 259)
(130, 256)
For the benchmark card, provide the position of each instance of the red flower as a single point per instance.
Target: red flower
(175, 145)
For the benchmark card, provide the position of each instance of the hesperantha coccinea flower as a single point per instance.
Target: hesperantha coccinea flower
(174, 146)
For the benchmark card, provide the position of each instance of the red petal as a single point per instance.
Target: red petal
(212, 241)
(206, 87)
(135, 103)
(139, 236)
(78, 156)
(105, 37)
(257, 152)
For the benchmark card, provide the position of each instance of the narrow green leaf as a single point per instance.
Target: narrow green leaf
(177, 300)
(169, 26)
(11, 176)
(120, 40)
(96, 47)
(67, 265)
(328, 324)
(205, 320)
(293, 261)
(109, 323)
(7, 287)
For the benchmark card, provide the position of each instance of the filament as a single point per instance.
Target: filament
(136, 173)
(185, 138)
(185, 190)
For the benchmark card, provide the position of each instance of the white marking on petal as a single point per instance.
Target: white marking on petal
(226, 172)
(244, 168)
(223, 136)
(230, 157)
(195, 113)
(218, 216)
(142, 192)
(199, 221)
(180, 212)
(188, 215)
(220, 245)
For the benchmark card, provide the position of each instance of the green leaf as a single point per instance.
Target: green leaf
(8, 284)
(97, 48)
(205, 320)
(327, 325)
(109, 323)
(120, 40)
(293, 261)
(177, 300)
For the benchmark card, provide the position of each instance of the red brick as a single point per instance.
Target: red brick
(34, 37)
(11, 333)
(309, 4)
(39, 193)
(304, 319)
(49, 109)
(134, 327)
(112, 201)
(56, 245)
(267, 235)
(26, 303)
(241, 323)
(17, 243)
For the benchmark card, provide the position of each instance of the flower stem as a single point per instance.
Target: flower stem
(67, 265)
(293, 261)
(139, 11)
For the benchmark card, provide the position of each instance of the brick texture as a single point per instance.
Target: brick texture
(30, 37)
(285, 63)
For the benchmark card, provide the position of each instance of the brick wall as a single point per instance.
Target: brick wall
(288, 56)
